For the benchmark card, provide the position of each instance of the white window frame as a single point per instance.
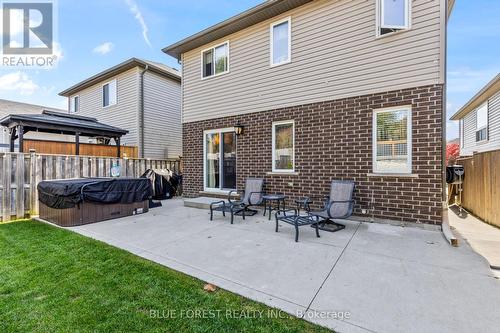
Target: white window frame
(202, 66)
(284, 122)
(380, 20)
(72, 107)
(486, 104)
(116, 94)
(409, 145)
(271, 41)
(213, 131)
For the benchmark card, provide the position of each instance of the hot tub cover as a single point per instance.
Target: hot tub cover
(61, 194)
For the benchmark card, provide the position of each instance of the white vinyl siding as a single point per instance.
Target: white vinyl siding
(162, 117)
(281, 42)
(124, 114)
(335, 55)
(470, 127)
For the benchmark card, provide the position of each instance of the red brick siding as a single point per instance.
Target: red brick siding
(333, 140)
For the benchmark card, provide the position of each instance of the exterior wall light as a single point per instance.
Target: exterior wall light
(238, 129)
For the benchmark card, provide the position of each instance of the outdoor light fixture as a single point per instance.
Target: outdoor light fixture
(238, 129)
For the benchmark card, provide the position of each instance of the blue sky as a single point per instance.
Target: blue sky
(97, 34)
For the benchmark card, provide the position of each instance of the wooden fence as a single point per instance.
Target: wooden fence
(21, 173)
(481, 188)
(69, 148)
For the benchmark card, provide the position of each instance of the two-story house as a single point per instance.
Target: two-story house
(320, 90)
(479, 120)
(140, 96)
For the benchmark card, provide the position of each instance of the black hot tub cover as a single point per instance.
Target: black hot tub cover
(67, 193)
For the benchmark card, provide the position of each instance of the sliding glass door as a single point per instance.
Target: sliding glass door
(220, 159)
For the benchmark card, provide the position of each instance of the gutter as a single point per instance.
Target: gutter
(141, 112)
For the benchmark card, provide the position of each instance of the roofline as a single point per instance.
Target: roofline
(483, 95)
(252, 16)
(115, 70)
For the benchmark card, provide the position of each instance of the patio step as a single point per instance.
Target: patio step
(200, 202)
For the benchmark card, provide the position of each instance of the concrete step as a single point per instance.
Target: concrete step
(200, 202)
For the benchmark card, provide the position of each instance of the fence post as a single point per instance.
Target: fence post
(6, 179)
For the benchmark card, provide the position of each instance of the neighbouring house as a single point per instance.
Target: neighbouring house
(140, 96)
(479, 120)
(321, 90)
(8, 107)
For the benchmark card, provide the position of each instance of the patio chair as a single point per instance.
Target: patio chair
(252, 196)
(339, 205)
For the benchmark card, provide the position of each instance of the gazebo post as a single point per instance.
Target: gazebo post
(20, 135)
(12, 138)
(117, 140)
(77, 143)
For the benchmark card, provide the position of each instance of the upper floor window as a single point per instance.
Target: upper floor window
(281, 42)
(74, 104)
(109, 94)
(215, 61)
(482, 123)
(283, 146)
(393, 16)
(392, 140)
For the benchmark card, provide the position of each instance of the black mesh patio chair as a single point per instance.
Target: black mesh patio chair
(252, 196)
(338, 205)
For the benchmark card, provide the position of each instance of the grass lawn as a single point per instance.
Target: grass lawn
(53, 280)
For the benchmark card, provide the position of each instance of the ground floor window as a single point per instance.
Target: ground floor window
(392, 140)
(220, 159)
(283, 146)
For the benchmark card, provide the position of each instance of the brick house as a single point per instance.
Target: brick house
(346, 89)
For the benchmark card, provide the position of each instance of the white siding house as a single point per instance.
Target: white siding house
(143, 97)
(479, 120)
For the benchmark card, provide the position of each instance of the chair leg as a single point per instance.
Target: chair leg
(232, 216)
(317, 230)
(296, 233)
(244, 214)
(276, 224)
(224, 213)
(211, 214)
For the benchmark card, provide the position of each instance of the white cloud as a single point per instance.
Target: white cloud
(104, 48)
(18, 82)
(134, 9)
(467, 80)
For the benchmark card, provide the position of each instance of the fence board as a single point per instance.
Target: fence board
(21, 173)
(481, 187)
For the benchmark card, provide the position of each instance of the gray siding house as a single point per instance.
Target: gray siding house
(8, 107)
(479, 120)
(344, 89)
(143, 97)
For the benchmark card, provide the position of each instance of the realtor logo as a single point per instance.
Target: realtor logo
(28, 34)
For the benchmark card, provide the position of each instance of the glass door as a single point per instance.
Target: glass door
(220, 160)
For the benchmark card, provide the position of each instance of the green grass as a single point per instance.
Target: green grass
(52, 280)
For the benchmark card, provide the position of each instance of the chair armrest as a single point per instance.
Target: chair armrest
(229, 197)
(250, 198)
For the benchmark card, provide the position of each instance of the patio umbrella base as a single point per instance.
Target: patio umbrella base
(329, 226)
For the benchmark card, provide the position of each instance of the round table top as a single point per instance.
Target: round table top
(274, 197)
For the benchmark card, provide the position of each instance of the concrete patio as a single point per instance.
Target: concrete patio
(389, 278)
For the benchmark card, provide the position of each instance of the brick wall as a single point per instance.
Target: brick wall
(333, 140)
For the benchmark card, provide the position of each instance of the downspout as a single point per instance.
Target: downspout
(141, 112)
(445, 107)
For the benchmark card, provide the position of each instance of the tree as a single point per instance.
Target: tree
(452, 153)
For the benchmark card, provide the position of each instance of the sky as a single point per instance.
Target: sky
(93, 35)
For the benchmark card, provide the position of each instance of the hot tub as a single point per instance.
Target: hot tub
(73, 202)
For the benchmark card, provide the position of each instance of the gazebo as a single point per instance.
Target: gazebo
(59, 123)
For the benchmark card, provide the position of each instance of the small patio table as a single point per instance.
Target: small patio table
(277, 199)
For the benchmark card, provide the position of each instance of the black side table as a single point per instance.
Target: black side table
(277, 199)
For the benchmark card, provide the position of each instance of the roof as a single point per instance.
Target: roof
(120, 68)
(12, 107)
(257, 14)
(482, 96)
(62, 123)
(266, 10)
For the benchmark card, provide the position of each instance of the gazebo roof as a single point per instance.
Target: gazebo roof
(62, 123)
